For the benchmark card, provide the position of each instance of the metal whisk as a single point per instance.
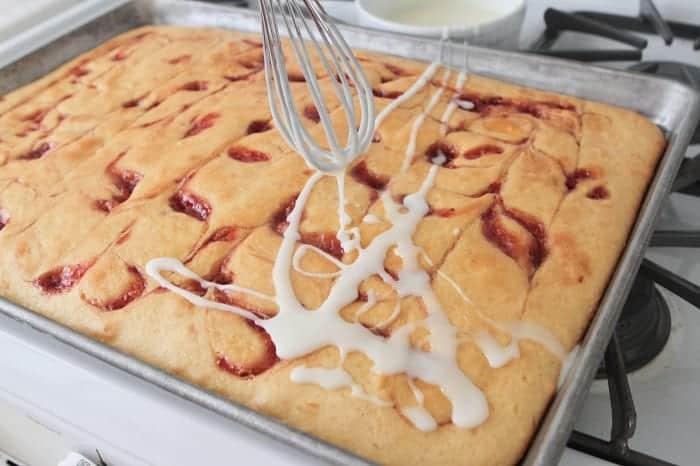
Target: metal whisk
(316, 34)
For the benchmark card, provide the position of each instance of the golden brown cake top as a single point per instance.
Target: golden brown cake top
(435, 286)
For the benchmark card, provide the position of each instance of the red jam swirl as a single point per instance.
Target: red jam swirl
(4, 218)
(136, 288)
(573, 179)
(386, 94)
(296, 77)
(484, 104)
(327, 242)
(190, 204)
(195, 86)
(37, 152)
(120, 56)
(193, 286)
(179, 59)
(36, 116)
(268, 360)
(259, 126)
(245, 155)
(397, 70)
(223, 234)
(598, 193)
(494, 231)
(441, 153)
(125, 181)
(479, 151)
(131, 103)
(61, 278)
(493, 188)
(278, 222)
(364, 175)
(538, 251)
(200, 124)
(311, 112)
(80, 71)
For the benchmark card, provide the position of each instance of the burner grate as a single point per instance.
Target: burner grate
(624, 419)
(619, 28)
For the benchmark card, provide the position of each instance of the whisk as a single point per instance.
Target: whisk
(318, 34)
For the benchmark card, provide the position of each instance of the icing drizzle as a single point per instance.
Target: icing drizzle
(295, 331)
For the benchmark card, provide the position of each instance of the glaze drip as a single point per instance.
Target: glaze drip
(295, 331)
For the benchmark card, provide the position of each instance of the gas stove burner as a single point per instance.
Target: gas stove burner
(643, 328)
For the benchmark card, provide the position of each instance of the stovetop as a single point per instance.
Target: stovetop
(79, 403)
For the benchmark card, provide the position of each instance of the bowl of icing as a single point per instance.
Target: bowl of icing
(494, 23)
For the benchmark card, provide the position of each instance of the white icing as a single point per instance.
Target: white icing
(420, 418)
(452, 106)
(349, 239)
(410, 92)
(392, 317)
(455, 232)
(416, 392)
(418, 122)
(366, 306)
(301, 250)
(295, 331)
(496, 354)
(333, 379)
(371, 219)
(465, 104)
(326, 378)
(439, 159)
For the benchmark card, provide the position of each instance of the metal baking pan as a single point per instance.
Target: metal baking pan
(672, 106)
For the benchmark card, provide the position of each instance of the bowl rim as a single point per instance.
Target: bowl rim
(438, 30)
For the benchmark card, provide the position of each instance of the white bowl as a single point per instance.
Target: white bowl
(493, 23)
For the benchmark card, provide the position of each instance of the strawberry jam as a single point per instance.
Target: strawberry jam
(200, 124)
(386, 94)
(60, 279)
(364, 175)
(258, 126)
(278, 221)
(268, 360)
(327, 242)
(190, 204)
(598, 193)
(4, 218)
(578, 175)
(135, 289)
(311, 112)
(247, 155)
(38, 152)
(482, 150)
(441, 153)
(195, 86)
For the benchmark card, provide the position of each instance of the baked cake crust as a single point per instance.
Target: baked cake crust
(159, 143)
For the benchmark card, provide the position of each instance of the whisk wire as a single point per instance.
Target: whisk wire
(304, 60)
(336, 71)
(342, 68)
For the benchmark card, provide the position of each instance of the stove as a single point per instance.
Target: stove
(642, 410)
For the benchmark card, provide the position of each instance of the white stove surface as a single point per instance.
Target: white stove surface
(54, 399)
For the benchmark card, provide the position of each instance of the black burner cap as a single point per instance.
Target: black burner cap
(644, 326)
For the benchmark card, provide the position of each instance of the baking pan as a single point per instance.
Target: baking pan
(672, 106)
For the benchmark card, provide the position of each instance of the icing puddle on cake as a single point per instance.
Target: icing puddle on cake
(296, 331)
